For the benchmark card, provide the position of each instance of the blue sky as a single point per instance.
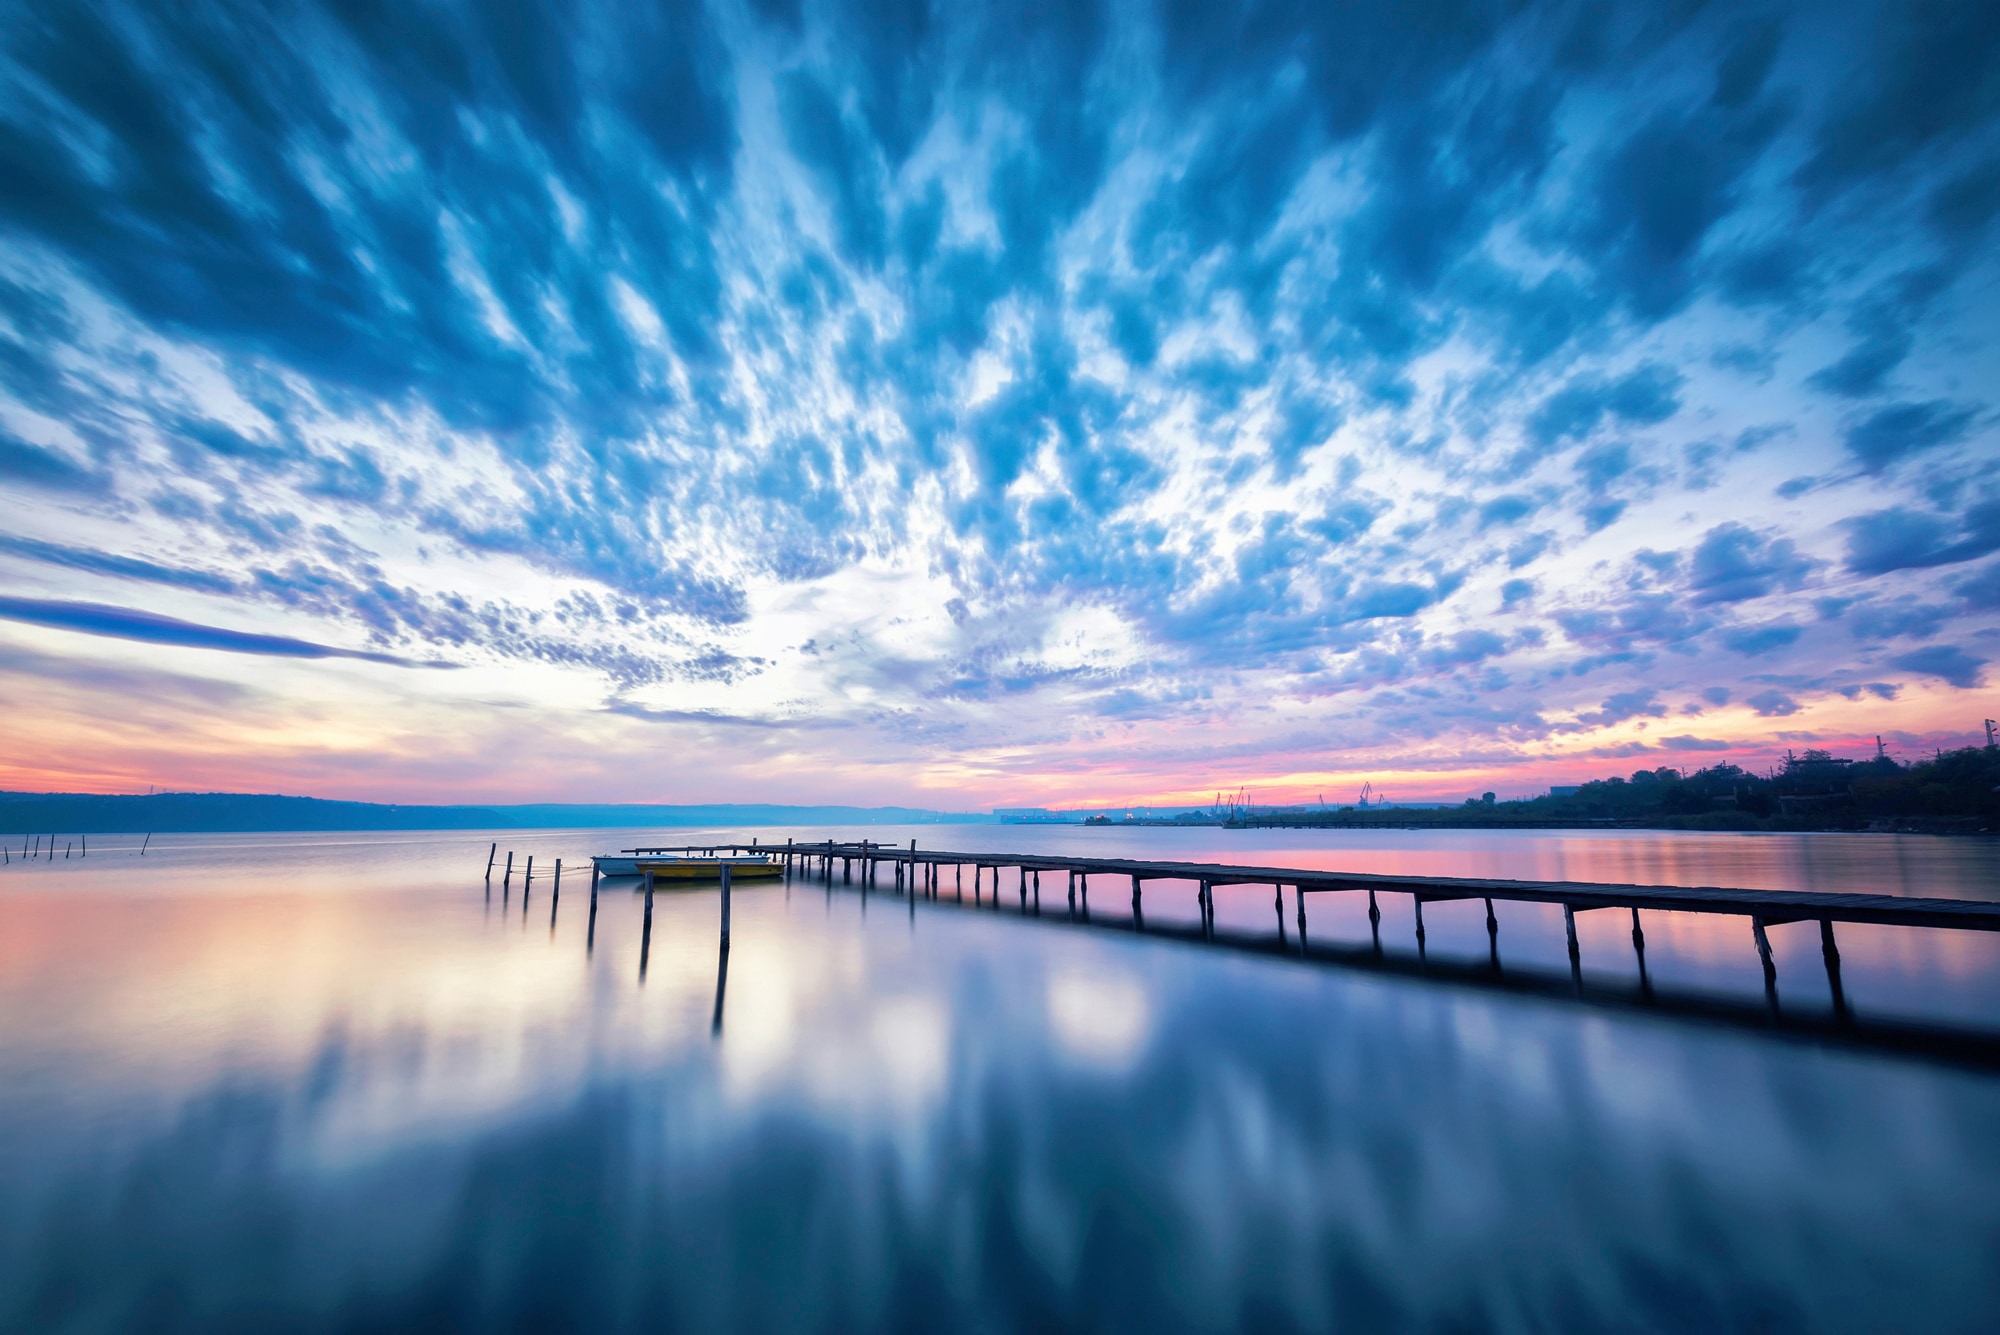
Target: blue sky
(991, 404)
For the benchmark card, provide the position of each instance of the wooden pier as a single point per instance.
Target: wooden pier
(922, 874)
(911, 865)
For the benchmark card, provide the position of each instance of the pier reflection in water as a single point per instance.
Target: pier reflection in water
(317, 1084)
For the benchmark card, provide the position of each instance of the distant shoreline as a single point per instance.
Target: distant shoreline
(261, 813)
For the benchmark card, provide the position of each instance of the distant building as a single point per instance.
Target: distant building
(1564, 789)
(1031, 816)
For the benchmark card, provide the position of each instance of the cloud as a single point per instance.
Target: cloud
(1948, 662)
(1646, 396)
(1756, 641)
(1892, 434)
(1098, 362)
(1773, 704)
(1981, 588)
(34, 466)
(150, 628)
(1688, 743)
(1733, 563)
(1904, 539)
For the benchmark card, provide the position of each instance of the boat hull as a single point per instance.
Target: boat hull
(691, 869)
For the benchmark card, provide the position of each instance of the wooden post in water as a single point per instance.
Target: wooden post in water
(143, 847)
(555, 896)
(491, 853)
(1831, 954)
(1575, 951)
(1038, 892)
(1374, 921)
(1770, 965)
(1417, 901)
(527, 884)
(507, 881)
(1639, 949)
(725, 906)
(1492, 937)
(84, 839)
(1072, 889)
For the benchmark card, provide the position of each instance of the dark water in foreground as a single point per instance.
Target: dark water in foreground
(319, 1081)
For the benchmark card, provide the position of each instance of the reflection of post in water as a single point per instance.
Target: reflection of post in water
(1639, 949)
(1831, 953)
(646, 932)
(721, 986)
(1770, 966)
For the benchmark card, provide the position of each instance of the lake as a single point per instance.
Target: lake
(326, 1081)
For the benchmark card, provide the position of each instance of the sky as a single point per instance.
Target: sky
(991, 405)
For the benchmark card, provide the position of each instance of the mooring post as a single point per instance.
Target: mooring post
(491, 853)
(555, 894)
(1374, 921)
(149, 841)
(1135, 894)
(527, 883)
(1770, 965)
(1492, 938)
(508, 880)
(1418, 902)
(1038, 892)
(84, 839)
(1072, 888)
(1831, 953)
(1299, 892)
(1023, 887)
(1763, 945)
(725, 906)
(1575, 951)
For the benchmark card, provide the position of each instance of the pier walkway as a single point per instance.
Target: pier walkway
(923, 873)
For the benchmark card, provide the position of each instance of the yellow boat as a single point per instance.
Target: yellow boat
(708, 869)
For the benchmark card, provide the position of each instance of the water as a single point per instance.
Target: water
(320, 1081)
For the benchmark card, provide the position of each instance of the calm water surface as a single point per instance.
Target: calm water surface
(322, 1081)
